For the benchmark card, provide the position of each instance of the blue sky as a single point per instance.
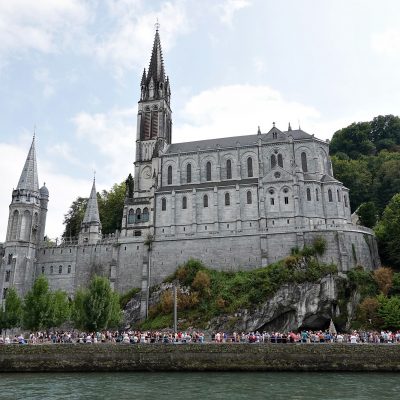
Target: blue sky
(73, 68)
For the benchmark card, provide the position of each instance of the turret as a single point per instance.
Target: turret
(91, 225)
(44, 200)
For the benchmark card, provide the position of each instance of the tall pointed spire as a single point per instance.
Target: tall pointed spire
(29, 176)
(92, 208)
(156, 67)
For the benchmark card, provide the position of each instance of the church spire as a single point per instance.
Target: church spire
(92, 208)
(29, 176)
(156, 67)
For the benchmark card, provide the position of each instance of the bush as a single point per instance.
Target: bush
(201, 282)
(319, 245)
(384, 279)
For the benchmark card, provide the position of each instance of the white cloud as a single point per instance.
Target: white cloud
(387, 42)
(38, 25)
(43, 76)
(228, 9)
(113, 135)
(128, 44)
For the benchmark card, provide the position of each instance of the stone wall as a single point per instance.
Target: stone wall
(197, 357)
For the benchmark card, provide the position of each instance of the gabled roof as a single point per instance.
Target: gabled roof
(234, 141)
(92, 208)
(29, 176)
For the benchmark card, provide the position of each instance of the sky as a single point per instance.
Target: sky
(72, 69)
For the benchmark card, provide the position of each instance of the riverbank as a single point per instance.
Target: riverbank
(199, 357)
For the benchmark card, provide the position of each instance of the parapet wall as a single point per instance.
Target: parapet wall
(199, 357)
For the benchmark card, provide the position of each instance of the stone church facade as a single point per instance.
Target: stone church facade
(236, 203)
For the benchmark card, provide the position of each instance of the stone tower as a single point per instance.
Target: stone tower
(26, 227)
(154, 128)
(91, 225)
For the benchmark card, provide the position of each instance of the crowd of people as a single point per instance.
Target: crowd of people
(194, 336)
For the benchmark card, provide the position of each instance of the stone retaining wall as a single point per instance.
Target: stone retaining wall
(197, 357)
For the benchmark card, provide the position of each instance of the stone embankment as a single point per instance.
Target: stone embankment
(199, 357)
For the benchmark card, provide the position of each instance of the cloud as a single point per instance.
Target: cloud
(387, 42)
(127, 45)
(229, 8)
(38, 25)
(238, 110)
(42, 76)
(112, 134)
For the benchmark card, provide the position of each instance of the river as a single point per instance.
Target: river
(191, 386)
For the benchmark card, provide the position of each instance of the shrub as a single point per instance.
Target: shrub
(201, 282)
(368, 313)
(384, 279)
(319, 245)
(167, 301)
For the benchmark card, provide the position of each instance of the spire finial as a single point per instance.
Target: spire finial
(273, 124)
(289, 127)
(34, 132)
(259, 130)
(157, 25)
(94, 175)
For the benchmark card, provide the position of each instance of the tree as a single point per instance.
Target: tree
(389, 311)
(367, 213)
(12, 314)
(388, 233)
(97, 307)
(60, 308)
(368, 313)
(385, 132)
(74, 217)
(37, 309)
(384, 278)
(77, 310)
(111, 207)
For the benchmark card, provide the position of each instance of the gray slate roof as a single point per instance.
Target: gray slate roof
(92, 209)
(29, 176)
(229, 142)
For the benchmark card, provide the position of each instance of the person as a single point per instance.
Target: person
(353, 338)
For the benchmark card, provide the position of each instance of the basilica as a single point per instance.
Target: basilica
(236, 203)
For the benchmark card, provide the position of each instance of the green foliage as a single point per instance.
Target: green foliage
(389, 311)
(367, 212)
(396, 283)
(111, 206)
(127, 296)
(37, 306)
(319, 245)
(363, 281)
(12, 314)
(388, 233)
(97, 307)
(212, 292)
(60, 308)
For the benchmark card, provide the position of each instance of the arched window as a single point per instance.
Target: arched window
(227, 199)
(169, 178)
(345, 201)
(308, 194)
(304, 162)
(138, 215)
(51, 269)
(249, 198)
(184, 202)
(316, 194)
(145, 215)
(69, 269)
(42, 269)
(338, 196)
(280, 160)
(163, 204)
(249, 167)
(26, 225)
(228, 169)
(131, 216)
(330, 195)
(14, 225)
(60, 269)
(205, 201)
(208, 171)
(189, 173)
(273, 161)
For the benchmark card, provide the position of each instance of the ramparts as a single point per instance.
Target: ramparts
(199, 357)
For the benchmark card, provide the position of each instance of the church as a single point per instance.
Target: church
(236, 203)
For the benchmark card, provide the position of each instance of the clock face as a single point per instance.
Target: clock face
(146, 173)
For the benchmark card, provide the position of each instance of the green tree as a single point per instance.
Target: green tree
(385, 132)
(356, 176)
(388, 232)
(74, 218)
(77, 309)
(111, 207)
(37, 309)
(367, 213)
(12, 314)
(60, 308)
(97, 307)
(389, 311)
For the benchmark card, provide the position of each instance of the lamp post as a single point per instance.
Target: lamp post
(175, 309)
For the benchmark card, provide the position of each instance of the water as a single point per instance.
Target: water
(208, 385)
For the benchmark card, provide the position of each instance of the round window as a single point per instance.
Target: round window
(277, 175)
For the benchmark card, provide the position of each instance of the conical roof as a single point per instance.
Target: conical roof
(92, 208)
(156, 67)
(29, 176)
